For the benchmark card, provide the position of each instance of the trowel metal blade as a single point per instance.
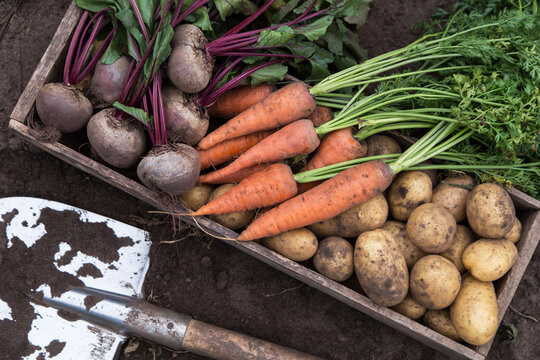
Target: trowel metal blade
(124, 276)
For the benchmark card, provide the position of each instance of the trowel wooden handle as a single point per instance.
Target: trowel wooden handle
(217, 343)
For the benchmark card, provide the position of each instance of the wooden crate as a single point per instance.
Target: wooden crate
(527, 207)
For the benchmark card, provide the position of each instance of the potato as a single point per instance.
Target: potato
(488, 259)
(474, 313)
(381, 145)
(334, 258)
(452, 197)
(408, 191)
(369, 215)
(463, 238)
(431, 227)
(515, 233)
(235, 220)
(435, 282)
(490, 211)
(198, 196)
(439, 320)
(410, 308)
(398, 232)
(381, 268)
(297, 244)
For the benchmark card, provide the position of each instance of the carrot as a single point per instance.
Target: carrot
(239, 99)
(321, 115)
(334, 196)
(270, 186)
(291, 140)
(288, 104)
(337, 146)
(229, 149)
(240, 175)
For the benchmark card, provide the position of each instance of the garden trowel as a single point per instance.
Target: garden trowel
(93, 319)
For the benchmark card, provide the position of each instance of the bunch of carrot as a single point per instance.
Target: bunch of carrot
(396, 102)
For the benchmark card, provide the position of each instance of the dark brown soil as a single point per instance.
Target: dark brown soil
(206, 278)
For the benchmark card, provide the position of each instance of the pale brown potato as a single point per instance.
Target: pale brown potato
(235, 220)
(198, 196)
(381, 268)
(439, 320)
(369, 215)
(297, 244)
(434, 282)
(490, 259)
(410, 308)
(398, 232)
(454, 198)
(490, 211)
(474, 313)
(515, 233)
(463, 238)
(334, 258)
(432, 228)
(408, 191)
(382, 145)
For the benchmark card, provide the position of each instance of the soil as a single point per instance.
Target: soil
(206, 278)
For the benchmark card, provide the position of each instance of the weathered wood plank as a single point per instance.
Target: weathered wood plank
(47, 63)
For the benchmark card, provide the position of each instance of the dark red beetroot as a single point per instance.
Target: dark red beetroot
(171, 168)
(63, 107)
(189, 68)
(108, 80)
(185, 121)
(120, 143)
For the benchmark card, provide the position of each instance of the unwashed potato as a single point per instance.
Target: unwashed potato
(369, 215)
(198, 196)
(515, 233)
(453, 197)
(474, 313)
(297, 244)
(408, 191)
(410, 308)
(489, 259)
(432, 228)
(463, 238)
(382, 145)
(439, 320)
(398, 232)
(381, 268)
(235, 220)
(334, 258)
(490, 211)
(434, 282)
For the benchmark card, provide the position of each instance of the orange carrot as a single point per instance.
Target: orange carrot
(334, 196)
(234, 101)
(240, 175)
(294, 139)
(321, 115)
(229, 149)
(268, 187)
(288, 104)
(337, 146)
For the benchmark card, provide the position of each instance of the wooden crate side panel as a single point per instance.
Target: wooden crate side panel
(50, 58)
(507, 289)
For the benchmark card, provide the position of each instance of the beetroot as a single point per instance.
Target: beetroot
(121, 143)
(63, 107)
(172, 168)
(108, 80)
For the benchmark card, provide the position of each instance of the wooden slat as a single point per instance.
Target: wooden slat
(47, 63)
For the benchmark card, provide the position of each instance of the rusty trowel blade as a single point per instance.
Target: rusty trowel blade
(122, 276)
